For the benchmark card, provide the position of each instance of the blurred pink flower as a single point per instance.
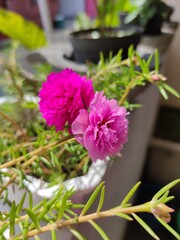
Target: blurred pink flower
(62, 96)
(102, 130)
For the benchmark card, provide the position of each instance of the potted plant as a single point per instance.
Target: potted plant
(150, 15)
(36, 147)
(32, 148)
(102, 36)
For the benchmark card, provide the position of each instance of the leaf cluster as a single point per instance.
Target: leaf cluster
(60, 211)
(147, 9)
(124, 79)
(107, 14)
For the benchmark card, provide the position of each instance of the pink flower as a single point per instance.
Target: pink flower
(63, 95)
(102, 130)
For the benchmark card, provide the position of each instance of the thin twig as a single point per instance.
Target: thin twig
(18, 146)
(126, 92)
(14, 123)
(36, 152)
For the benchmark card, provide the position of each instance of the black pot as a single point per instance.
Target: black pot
(88, 49)
(154, 25)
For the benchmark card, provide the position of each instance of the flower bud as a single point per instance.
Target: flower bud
(155, 77)
(158, 77)
(162, 211)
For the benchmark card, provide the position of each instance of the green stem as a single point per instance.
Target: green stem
(110, 67)
(14, 123)
(12, 68)
(36, 152)
(126, 92)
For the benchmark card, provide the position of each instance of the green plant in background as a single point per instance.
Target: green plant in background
(147, 9)
(16, 27)
(107, 14)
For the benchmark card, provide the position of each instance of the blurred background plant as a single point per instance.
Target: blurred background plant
(115, 13)
(107, 14)
(150, 15)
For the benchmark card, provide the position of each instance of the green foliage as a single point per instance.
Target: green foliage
(23, 130)
(107, 14)
(83, 22)
(47, 211)
(16, 27)
(165, 189)
(120, 78)
(33, 217)
(144, 10)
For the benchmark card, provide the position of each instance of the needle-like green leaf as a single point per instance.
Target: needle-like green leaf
(125, 216)
(170, 229)
(156, 61)
(92, 198)
(130, 194)
(165, 188)
(77, 234)
(12, 215)
(149, 61)
(145, 226)
(101, 201)
(30, 201)
(33, 218)
(53, 234)
(63, 206)
(171, 90)
(99, 230)
(163, 92)
(3, 228)
(20, 205)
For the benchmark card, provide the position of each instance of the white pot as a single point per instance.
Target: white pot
(82, 185)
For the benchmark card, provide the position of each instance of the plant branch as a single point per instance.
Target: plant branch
(36, 152)
(81, 219)
(17, 146)
(108, 68)
(14, 123)
(126, 92)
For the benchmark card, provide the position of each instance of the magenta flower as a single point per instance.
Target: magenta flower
(62, 96)
(102, 130)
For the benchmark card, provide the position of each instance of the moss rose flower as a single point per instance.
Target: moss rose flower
(102, 130)
(62, 96)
